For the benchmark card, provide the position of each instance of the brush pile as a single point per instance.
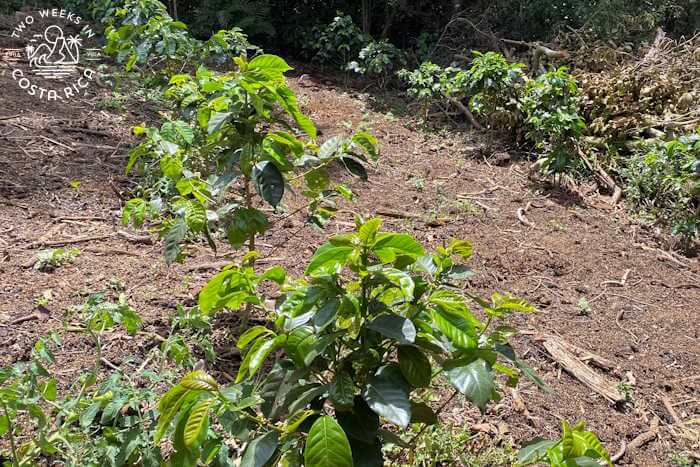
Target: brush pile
(653, 96)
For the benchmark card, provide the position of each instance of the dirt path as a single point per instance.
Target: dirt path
(647, 327)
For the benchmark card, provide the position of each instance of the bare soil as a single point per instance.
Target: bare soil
(648, 327)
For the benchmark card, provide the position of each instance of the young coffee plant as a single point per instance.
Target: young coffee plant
(85, 425)
(377, 60)
(576, 448)
(424, 84)
(363, 335)
(552, 121)
(663, 184)
(234, 136)
(494, 87)
(53, 258)
(337, 43)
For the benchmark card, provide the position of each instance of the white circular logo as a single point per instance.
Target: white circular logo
(58, 57)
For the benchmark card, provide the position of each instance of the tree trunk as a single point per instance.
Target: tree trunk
(366, 16)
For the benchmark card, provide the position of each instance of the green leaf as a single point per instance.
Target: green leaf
(49, 390)
(245, 222)
(171, 166)
(368, 231)
(390, 245)
(196, 421)
(367, 142)
(415, 366)
(269, 182)
(260, 450)
(172, 239)
(342, 391)
(360, 423)
(505, 304)
(462, 248)
(295, 421)
(535, 450)
(251, 334)
(327, 445)
(386, 393)
(89, 415)
(4, 425)
(458, 330)
(326, 313)
(199, 381)
(328, 259)
(422, 413)
(475, 381)
(217, 120)
(401, 279)
(394, 327)
(270, 64)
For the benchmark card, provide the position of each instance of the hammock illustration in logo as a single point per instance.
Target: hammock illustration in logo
(52, 55)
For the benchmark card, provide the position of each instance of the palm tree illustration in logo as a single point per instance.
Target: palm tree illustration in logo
(55, 51)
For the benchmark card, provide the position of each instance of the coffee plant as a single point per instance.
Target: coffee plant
(337, 43)
(377, 60)
(576, 448)
(552, 120)
(372, 325)
(237, 140)
(663, 184)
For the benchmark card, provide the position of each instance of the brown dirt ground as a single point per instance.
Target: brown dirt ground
(648, 327)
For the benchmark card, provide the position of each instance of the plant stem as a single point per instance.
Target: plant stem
(251, 247)
(10, 430)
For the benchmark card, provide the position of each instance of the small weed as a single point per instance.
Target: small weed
(113, 102)
(557, 225)
(681, 459)
(44, 299)
(584, 308)
(468, 207)
(48, 260)
(418, 183)
(626, 389)
(116, 284)
(75, 184)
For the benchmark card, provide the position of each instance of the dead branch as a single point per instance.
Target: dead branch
(463, 108)
(135, 238)
(558, 350)
(645, 437)
(621, 282)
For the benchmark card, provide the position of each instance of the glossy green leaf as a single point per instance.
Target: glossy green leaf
(197, 421)
(327, 445)
(422, 413)
(199, 381)
(474, 380)
(260, 450)
(394, 327)
(386, 393)
(415, 366)
(328, 259)
(268, 182)
(535, 450)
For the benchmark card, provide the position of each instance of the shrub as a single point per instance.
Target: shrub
(494, 84)
(377, 60)
(338, 42)
(376, 319)
(663, 184)
(576, 447)
(230, 142)
(552, 121)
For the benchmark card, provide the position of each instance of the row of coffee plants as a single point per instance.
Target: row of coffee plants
(355, 344)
